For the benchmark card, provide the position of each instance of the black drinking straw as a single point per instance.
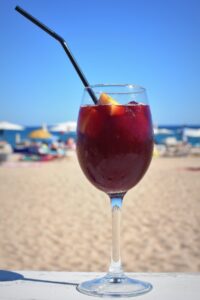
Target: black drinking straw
(64, 45)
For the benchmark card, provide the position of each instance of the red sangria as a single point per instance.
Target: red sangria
(114, 149)
(114, 145)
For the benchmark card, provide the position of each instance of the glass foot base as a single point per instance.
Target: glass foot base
(114, 286)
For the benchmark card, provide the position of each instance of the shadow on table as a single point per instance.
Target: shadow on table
(12, 276)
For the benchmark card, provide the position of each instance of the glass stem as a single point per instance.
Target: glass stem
(116, 204)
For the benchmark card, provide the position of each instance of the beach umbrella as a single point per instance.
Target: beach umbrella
(41, 134)
(64, 127)
(192, 132)
(162, 131)
(10, 126)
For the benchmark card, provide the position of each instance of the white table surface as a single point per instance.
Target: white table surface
(40, 285)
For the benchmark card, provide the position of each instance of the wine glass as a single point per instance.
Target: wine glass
(114, 149)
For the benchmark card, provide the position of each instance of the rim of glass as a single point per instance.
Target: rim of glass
(138, 88)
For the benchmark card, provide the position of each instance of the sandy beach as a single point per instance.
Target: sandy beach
(52, 218)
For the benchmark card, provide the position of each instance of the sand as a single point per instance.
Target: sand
(52, 218)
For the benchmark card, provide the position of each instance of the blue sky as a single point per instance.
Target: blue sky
(155, 44)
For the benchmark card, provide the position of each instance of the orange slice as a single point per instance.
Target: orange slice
(114, 105)
(105, 99)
